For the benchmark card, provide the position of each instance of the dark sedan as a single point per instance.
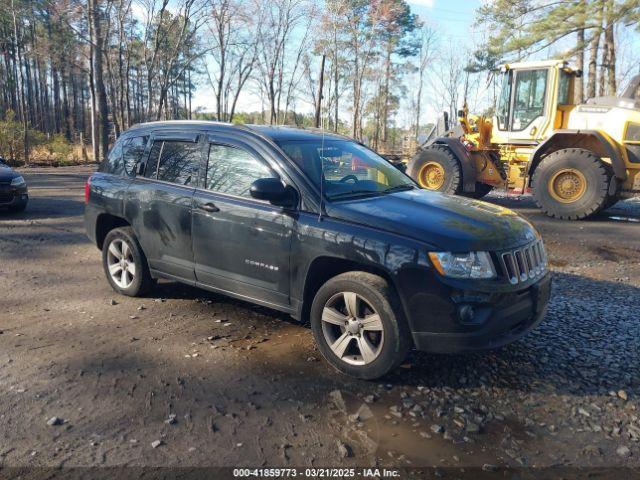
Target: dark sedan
(13, 189)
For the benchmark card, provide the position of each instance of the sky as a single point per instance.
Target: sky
(452, 18)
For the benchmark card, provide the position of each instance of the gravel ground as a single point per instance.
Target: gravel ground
(189, 378)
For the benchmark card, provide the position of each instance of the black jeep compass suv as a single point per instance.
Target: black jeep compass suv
(320, 227)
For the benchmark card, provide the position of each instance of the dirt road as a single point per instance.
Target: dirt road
(215, 381)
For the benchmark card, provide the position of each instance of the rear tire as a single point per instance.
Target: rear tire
(571, 184)
(358, 325)
(436, 168)
(125, 264)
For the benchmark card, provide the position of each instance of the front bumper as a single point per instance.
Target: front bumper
(496, 321)
(11, 196)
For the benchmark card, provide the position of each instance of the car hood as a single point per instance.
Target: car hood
(456, 224)
(7, 174)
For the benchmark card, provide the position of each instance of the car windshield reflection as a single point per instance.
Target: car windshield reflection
(347, 169)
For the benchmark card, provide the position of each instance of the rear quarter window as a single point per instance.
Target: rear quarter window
(132, 153)
(113, 163)
(124, 156)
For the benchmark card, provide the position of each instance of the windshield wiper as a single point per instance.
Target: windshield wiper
(399, 188)
(354, 193)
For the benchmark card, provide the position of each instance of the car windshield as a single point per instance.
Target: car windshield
(347, 168)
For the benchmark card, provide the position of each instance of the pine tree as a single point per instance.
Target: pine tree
(525, 27)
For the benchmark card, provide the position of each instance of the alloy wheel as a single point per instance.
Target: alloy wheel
(352, 328)
(121, 264)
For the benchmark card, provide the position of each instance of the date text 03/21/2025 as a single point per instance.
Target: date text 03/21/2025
(316, 472)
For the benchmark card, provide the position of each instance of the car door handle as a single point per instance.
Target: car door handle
(208, 207)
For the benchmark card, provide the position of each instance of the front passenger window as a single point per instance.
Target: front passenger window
(232, 170)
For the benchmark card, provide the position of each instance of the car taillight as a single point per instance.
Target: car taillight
(87, 189)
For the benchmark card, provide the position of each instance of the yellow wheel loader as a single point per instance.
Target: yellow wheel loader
(575, 159)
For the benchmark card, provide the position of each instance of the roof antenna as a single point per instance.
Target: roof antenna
(321, 177)
(322, 128)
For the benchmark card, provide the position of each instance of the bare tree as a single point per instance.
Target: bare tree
(279, 19)
(426, 53)
(97, 43)
(234, 53)
(447, 78)
(170, 40)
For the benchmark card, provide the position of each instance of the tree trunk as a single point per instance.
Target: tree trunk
(222, 73)
(336, 77)
(92, 91)
(31, 106)
(44, 91)
(593, 64)
(66, 111)
(419, 98)
(38, 120)
(101, 94)
(57, 122)
(189, 86)
(121, 77)
(603, 71)
(610, 50)
(385, 106)
(579, 82)
(23, 105)
(356, 100)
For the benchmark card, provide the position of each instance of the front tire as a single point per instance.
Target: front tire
(571, 184)
(358, 325)
(436, 168)
(125, 264)
(18, 208)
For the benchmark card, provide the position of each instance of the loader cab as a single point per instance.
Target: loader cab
(534, 99)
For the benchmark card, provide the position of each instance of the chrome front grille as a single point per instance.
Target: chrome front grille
(524, 263)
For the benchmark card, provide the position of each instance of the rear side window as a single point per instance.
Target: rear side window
(231, 170)
(151, 170)
(174, 161)
(113, 163)
(132, 152)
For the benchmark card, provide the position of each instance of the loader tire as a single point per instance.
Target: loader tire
(571, 184)
(436, 168)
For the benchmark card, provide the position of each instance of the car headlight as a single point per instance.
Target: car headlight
(463, 265)
(17, 182)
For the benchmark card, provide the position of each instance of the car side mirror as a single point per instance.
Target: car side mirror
(273, 191)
